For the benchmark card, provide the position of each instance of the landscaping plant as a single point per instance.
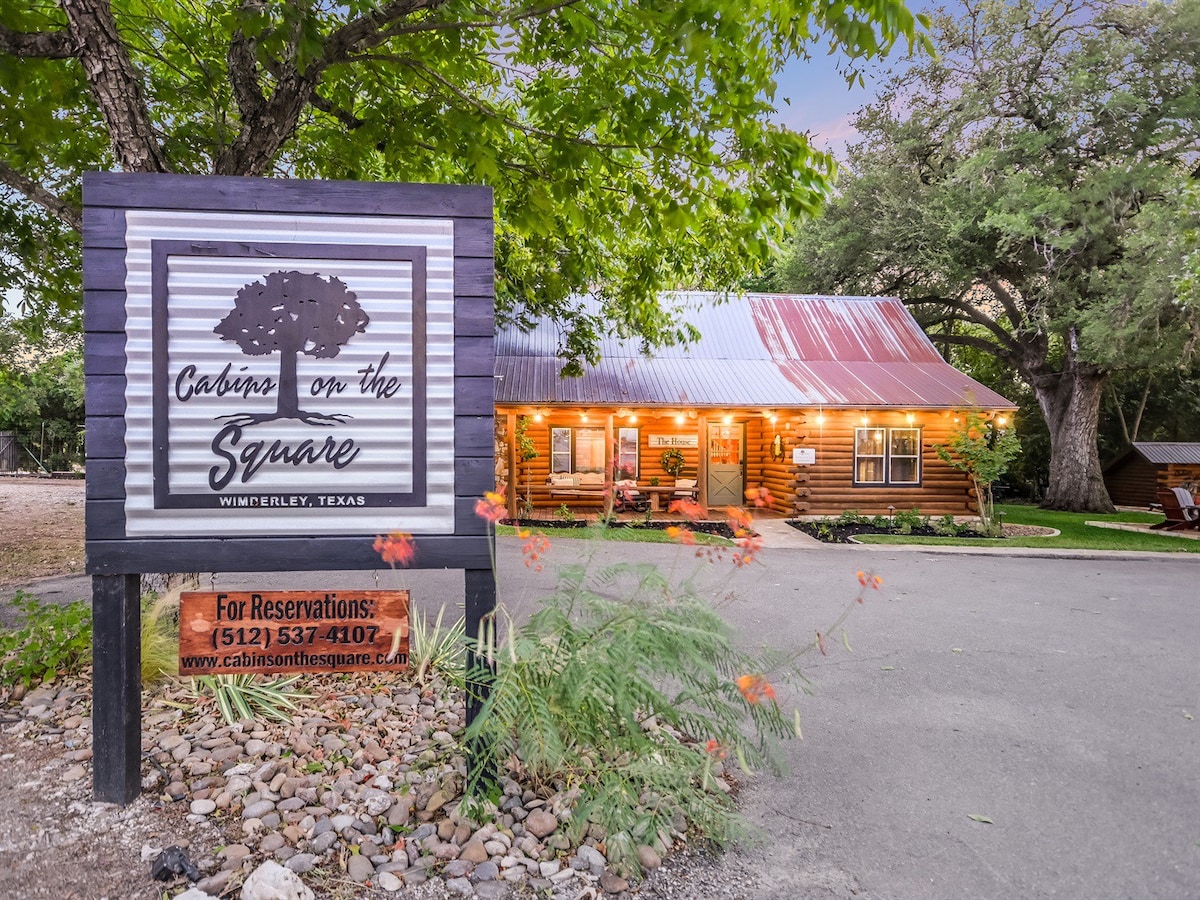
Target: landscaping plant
(982, 450)
(51, 640)
(250, 696)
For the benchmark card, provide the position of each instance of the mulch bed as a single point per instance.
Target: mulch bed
(845, 533)
(721, 529)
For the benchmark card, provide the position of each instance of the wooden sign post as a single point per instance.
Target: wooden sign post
(277, 371)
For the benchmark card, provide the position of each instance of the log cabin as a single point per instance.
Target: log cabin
(1136, 476)
(828, 403)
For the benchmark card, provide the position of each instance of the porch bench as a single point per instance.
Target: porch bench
(590, 485)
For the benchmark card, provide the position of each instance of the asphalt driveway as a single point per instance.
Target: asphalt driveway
(1058, 697)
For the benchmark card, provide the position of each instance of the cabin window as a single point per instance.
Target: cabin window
(626, 463)
(887, 456)
(576, 450)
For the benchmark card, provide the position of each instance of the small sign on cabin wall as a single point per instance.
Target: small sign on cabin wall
(667, 441)
(804, 456)
(274, 632)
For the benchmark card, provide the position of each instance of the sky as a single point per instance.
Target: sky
(822, 103)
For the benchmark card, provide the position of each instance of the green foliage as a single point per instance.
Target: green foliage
(604, 689)
(983, 449)
(526, 449)
(672, 462)
(564, 513)
(52, 639)
(433, 648)
(852, 517)
(905, 522)
(630, 146)
(947, 526)
(160, 636)
(41, 384)
(241, 697)
(1028, 192)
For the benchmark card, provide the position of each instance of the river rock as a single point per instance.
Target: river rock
(540, 823)
(271, 881)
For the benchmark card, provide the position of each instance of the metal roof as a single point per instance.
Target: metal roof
(755, 350)
(1167, 452)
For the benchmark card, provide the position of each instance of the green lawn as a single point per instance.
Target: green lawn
(637, 535)
(1075, 535)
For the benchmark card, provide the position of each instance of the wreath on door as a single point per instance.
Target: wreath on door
(672, 462)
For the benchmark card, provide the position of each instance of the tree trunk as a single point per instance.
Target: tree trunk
(1070, 403)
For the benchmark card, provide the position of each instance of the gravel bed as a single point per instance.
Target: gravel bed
(359, 795)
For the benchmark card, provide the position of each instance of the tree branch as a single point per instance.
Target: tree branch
(39, 44)
(37, 193)
(242, 64)
(115, 85)
(346, 117)
(370, 30)
(970, 340)
(966, 311)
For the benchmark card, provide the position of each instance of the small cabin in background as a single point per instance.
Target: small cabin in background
(1135, 477)
(829, 403)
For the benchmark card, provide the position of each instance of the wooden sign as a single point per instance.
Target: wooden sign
(658, 441)
(292, 631)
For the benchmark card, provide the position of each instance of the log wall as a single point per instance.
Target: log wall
(823, 488)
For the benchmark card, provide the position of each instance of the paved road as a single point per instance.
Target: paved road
(1058, 697)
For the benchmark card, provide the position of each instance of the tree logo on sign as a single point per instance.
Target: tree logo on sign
(291, 313)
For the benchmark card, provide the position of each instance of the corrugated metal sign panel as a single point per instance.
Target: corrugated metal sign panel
(251, 426)
(756, 350)
(1163, 453)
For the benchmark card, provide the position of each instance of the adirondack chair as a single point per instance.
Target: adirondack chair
(1180, 509)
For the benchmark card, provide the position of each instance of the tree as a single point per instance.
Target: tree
(290, 313)
(983, 449)
(1028, 194)
(629, 143)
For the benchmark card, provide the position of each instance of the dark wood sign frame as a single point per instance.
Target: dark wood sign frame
(116, 559)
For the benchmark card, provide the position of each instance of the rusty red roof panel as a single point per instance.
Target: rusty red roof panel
(755, 350)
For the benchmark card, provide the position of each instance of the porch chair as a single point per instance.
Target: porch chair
(627, 498)
(685, 489)
(1180, 509)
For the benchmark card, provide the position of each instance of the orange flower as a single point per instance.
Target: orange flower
(759, 497)
(398, 548)
(754, 688)
(871, 580)
(683, 535)
(536, 546)
(738, 520)
(714, 749)
(491, 507)
(688, 508)
(749, 544)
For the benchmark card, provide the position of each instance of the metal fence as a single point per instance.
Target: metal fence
(41, 452)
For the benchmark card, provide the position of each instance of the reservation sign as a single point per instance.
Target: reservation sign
(292, 631)
(277, 371)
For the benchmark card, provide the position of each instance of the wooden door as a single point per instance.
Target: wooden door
(726, 463)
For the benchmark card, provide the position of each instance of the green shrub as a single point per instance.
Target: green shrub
(52, 640)
(250, 696)
(905, 522)
(434, 648)
(625, 688)
(564, 513)
(852, 517)
(160, 636)
(947, 526)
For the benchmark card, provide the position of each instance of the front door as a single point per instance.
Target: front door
(726, 484)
